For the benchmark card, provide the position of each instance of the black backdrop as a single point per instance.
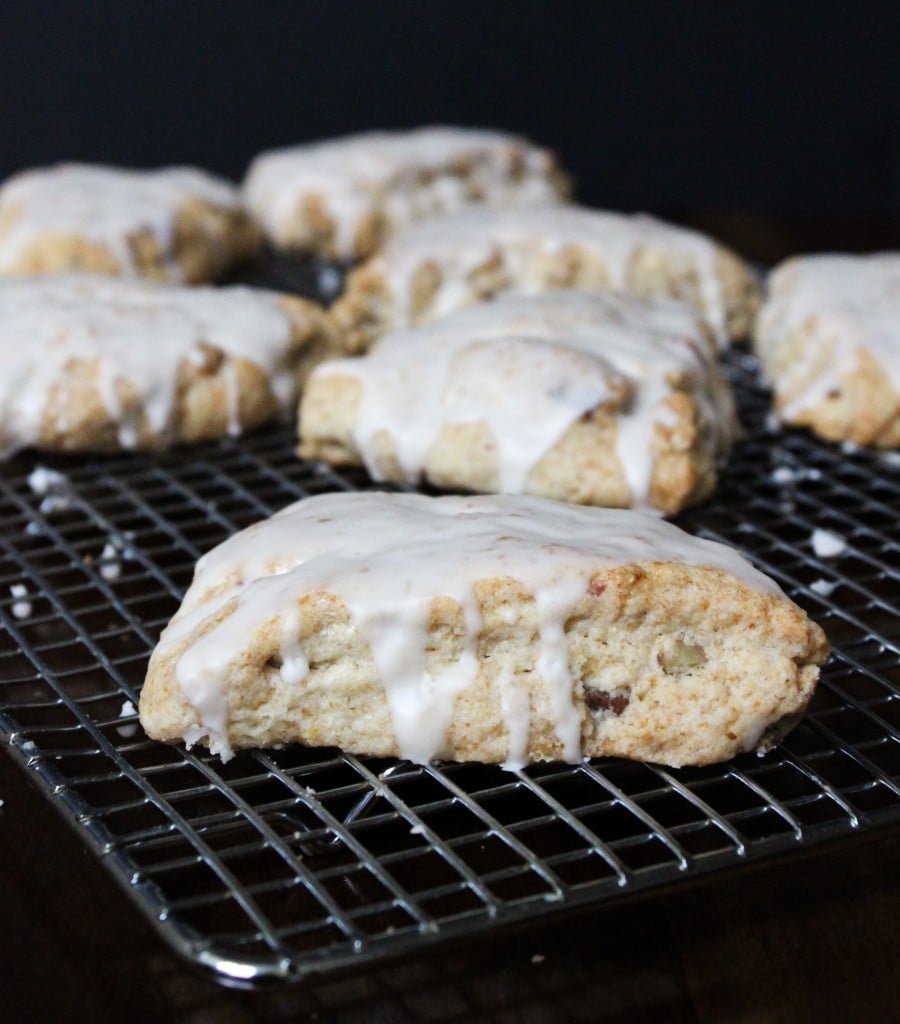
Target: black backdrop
(787, 107)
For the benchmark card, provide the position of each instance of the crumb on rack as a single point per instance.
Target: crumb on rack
(110, 567)
(128, 711)
(823, 587)
(21, 607)
(54, 487)
(827, 544)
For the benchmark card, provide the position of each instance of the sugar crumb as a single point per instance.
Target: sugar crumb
(42, 480)
(110, 568)
(52, 486)
(783, 475)
(823, 587)
(21, 606)
(827, 544)
(127, 711)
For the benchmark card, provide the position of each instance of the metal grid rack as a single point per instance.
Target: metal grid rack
(288, 863)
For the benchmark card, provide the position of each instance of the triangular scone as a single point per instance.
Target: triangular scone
(494, 629)
(176, 224)
(438, 265)
(599, 399)
(828, 339)
(95, 363)
(343, 197)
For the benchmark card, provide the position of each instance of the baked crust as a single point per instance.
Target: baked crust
(825, 346)
(343, 198)
(97, 397)
(591, 399)
(203, 238)
(420, 276)
(669, 662)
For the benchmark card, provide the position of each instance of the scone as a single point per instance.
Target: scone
(343, 197)
(828, 339)
(596, 399)
(176, 224)
(494, 629)
(100, 363)
(441, 264)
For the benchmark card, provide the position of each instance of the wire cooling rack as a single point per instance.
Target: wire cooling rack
(287, 863)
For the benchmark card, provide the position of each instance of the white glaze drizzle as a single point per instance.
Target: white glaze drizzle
(515, 709)
(137, 332)
(386, 556)
(380, 173)
(848, 303)
(459, 243)
(104, 205)
(529, 367)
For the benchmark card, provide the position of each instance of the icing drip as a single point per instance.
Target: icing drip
(387, 556)
(134, 332)
(104, 205)
(515, 709)
(397, 176)
(294, 666)
(529, 367)
(845, 305)
(460, 243)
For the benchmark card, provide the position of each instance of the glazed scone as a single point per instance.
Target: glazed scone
(443, 263)
(96, 363)
(343, 197)
(828, 339)
(175, 224)
(597, 399)
(494, 629)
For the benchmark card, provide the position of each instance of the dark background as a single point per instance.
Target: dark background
(772, 107)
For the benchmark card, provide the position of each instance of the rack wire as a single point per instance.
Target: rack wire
(289, 863)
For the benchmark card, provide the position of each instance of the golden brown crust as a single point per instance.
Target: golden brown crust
(672, 663)
(368, 308)
(828, 341)
(862, 406)
(77, 416)
(365, 309)
(208, 240)
(311, 229)
(583, 467)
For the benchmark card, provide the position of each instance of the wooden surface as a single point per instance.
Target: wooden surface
(814, 938)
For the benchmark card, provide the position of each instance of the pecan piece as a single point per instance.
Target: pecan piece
(607, 703)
